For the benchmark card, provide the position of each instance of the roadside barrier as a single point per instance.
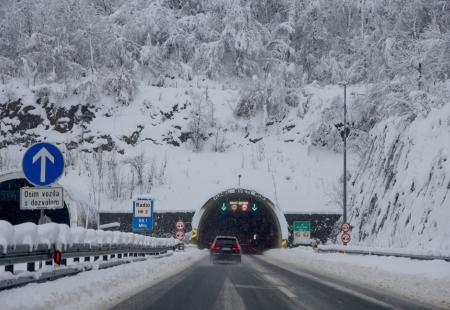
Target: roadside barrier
(37, 253)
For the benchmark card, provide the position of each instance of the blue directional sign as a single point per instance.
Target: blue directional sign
(143, 214)
(43, 164)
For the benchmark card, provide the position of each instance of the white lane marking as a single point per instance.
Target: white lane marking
(272, 280)
(263, 272)
(231, 298)
(279, 285)
(286, 292)
(255, 287)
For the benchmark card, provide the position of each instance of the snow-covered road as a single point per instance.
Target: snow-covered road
(98, 289)
(423, 281)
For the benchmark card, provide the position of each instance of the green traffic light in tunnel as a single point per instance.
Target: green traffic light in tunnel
(223, 207)
(254, 207)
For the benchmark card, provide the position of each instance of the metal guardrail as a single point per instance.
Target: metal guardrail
(80, 253)
(378, 252)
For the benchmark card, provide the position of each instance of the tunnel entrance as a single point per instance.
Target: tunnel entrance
(244, 214)
(10, 206)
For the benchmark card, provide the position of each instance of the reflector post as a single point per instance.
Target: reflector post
(57, 257)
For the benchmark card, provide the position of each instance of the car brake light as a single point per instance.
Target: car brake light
(236, 248)
(215, 247)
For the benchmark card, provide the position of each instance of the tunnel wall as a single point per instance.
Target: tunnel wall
(163, 222)
(321, 224)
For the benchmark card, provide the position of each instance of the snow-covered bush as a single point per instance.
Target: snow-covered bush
(88, 90)
(268, 97)
(120, 85)
(209, 59)
(7, 69)
(198, 123)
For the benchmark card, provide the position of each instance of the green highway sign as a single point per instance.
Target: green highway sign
(302, 232)
(302, 226)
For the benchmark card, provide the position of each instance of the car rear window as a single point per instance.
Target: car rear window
(226, 241)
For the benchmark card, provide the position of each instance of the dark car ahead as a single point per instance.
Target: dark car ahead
(226, 249)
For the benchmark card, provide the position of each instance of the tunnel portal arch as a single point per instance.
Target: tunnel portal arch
(10, 183)
(268, 220)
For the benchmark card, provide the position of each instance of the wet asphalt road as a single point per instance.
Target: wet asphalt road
(258, 285)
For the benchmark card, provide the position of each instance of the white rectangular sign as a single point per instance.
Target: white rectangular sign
(37, 198)
(302, 237)
(142, 208)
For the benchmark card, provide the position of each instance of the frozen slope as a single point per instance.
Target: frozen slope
(275, 158)
(401, 189)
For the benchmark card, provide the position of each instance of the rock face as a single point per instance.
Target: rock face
(400, 191)
(21, 116)
(20, 120)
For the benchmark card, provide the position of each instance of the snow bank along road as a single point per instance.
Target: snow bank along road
(423, 281)
(98, 289)
(258, 284)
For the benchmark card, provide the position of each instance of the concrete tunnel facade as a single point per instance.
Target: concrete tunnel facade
(13, 180)
(218, 217)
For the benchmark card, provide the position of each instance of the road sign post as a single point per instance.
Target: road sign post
(179, 226)
(345, 238)
(302, 232)
(345, 233)
(142, 214)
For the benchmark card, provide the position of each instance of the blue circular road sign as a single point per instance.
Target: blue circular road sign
(43, 164)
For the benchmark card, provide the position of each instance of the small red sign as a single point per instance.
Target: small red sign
(345, 227)
(179, 225)
(345, 238)
(180, 235)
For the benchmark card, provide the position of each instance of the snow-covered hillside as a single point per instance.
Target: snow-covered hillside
(176, 98)
(147, 147)
(402, 185)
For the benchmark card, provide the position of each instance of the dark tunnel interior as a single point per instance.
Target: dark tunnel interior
(247, 217)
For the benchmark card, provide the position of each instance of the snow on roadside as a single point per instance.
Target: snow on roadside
(98, 289)
(424, 281)
(62, 236)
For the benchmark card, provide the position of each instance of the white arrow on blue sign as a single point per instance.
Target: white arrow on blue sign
(43, 164)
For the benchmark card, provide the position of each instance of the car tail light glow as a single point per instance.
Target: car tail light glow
(215, 247)
(236, 248)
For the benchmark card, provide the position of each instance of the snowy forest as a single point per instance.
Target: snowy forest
(105, 46)
(275, 62)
